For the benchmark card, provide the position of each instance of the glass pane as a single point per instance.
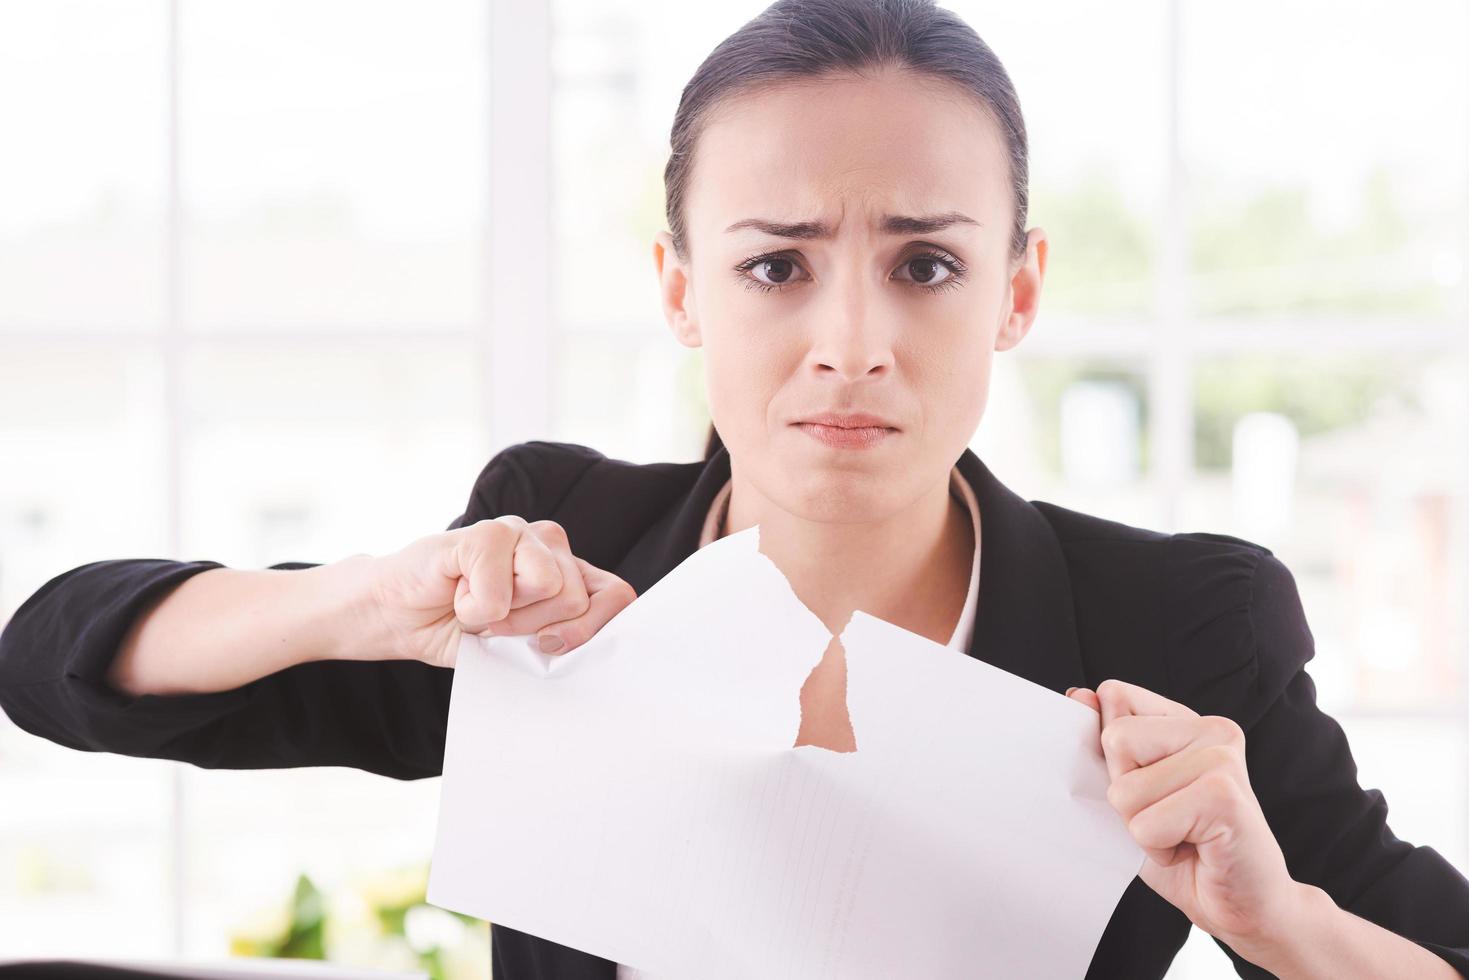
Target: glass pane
(81, 451)
(1330, 174)
(83, 108)
(640, 399)
(1071, 431)
(617, 71)
(333, 172)
(1343, 467)
(1097, 149)
(77, 879)
(314, 454)
(1421, 765)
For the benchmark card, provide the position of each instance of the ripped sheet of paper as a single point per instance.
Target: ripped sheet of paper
(640, 798)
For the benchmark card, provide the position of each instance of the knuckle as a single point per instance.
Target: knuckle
(1140, 825)
(1218, 783)
(1117, 794)
(567, 605)
(1109, 688)
(1117, 734)
(534, 569)
(550, 532)
(497, 530)
(1227, 729)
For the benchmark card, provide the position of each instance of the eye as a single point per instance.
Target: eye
(778, 267)
(932, 270)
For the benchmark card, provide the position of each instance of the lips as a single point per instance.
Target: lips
(846, 430)
(847, 420)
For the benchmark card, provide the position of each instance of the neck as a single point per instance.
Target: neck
(910, 568)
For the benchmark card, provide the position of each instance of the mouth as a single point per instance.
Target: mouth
(846, 431)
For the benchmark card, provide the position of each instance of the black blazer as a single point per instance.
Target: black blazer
(1065, 599)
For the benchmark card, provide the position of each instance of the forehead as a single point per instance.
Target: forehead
(891, 141)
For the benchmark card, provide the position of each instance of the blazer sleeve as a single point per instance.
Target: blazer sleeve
(386, 717)
(1334, 834)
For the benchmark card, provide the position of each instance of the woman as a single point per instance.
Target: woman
(846, 202)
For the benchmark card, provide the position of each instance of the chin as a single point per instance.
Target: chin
(817, 491)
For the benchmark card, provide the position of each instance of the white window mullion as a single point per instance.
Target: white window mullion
(516, 345)
(171, 347)
(1459, 524)
(1170, 365)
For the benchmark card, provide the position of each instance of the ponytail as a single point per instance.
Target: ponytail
(713, 444)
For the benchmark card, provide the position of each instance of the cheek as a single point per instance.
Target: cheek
(745, 366)
(952, 381)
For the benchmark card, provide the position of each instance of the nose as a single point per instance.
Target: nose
(852, 342)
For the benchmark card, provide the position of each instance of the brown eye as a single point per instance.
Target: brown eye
(780, 271)
(927, 271)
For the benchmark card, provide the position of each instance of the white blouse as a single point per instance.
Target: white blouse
(963, 630)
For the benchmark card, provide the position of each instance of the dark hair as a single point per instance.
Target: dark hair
(808, 38)
(713, 444)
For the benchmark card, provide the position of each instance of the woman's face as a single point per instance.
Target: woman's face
(847, 315)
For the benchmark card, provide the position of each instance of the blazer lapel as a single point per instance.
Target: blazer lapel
(1024, 620)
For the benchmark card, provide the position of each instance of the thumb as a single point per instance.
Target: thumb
(607, 595)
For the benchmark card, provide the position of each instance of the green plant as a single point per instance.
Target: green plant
(383, 920)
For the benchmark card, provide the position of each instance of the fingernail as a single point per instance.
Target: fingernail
(550, 643)
(1069, 690)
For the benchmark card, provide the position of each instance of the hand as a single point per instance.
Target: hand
(1179, 779)
(502, 576)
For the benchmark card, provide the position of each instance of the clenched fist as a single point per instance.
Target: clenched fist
(500, 576)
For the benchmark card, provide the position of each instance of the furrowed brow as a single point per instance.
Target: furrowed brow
(891, 224)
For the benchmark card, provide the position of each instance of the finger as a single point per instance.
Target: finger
(607, 595)
(537, 574)
(569, 603)
(1121, 698)
(481, 561)
(1134, 741)
(1138, 789)
(1086, 696)
(1188, 818)
(571, 600)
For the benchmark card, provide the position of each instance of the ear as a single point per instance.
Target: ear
(1025, 291)
(675, 289)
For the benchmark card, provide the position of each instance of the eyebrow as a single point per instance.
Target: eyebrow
(891, 224)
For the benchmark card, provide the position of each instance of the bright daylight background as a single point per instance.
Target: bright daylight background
(276, 280)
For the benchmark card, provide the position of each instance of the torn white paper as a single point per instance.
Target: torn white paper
(640, 797)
